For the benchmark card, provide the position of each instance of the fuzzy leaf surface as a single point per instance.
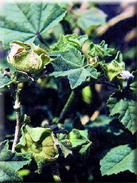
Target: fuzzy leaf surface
(66, 42)
(100, 50)
(10, 163)
(4, 80)
(70, 63)
(123, 104)
(22, 21)
(119, 159)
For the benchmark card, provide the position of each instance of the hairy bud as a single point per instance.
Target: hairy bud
(28, 58)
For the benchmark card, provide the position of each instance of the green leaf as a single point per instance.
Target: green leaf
(84, 149)
(40, 142)
(76, 137)
(69, 41)
(100, 121)
(12, 116)
(133, 86)
(119, 159)
(70, 63)
(63, 5)
(124, 103)
(22, 21)
(57, 31)
(4, 80)
(64, 144)
(10, 163)
(115, 67)
(79, 138)
(100, 50)
(90, 18)
(105, 124)
(133, 82)
(69, 18)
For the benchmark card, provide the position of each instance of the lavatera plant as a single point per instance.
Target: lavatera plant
(62, 63)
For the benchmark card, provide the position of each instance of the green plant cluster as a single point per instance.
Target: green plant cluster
(31, 59)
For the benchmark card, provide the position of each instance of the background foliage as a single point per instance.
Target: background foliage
(101, 123)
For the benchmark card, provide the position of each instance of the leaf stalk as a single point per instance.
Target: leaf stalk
(67, 106)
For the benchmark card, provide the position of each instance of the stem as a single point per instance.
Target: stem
(72, 96)
(42, 41)
(67, 106)
(110, 84)
(55, 171)
(17, 128)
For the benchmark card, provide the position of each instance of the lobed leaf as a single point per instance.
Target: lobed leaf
(10, 163)
(119, 159)
(69, 41)
(79, 138)
(70, 63)
(25, 21)
(64, 144)
(90, 18)
(124, 103)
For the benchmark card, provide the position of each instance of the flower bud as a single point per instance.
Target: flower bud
(114, 69)
(28, 58)
(126, 75)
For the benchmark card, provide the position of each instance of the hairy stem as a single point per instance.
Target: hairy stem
(67, 106)
(17, 128)
(55, 171)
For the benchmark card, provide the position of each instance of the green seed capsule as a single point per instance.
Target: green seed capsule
(28, 58)
(40, 142)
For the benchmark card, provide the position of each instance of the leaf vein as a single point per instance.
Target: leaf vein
(26, 17)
